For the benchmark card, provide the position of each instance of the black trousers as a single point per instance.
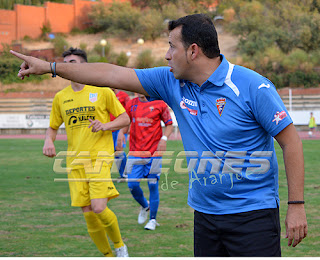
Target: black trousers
(253, 233)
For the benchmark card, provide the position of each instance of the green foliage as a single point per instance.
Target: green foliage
(145, 60)
(156, 4)
(83, 46)
(122, 59)
(299, 78)
(279, 39)
(27, 38)
(105, 54)
(76, 31)
(119, 18)
(9, 68)
(151, 24)
(171, 11)
(45, 29)
(60, 45)
(102, 51)
(161, 62)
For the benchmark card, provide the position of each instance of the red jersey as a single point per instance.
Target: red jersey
(123, 97)
(145, 128)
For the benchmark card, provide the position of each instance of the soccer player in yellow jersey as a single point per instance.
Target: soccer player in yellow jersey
(312, 125)
(85, 111)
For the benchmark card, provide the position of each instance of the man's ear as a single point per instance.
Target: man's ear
(194, 49)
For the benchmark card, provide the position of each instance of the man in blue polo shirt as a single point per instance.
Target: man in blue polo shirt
(228, 116)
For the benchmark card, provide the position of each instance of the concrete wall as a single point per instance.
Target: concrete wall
(29, 20)
(7, 26)
(26, 20)
(60, 16)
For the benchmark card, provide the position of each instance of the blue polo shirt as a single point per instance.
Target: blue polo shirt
(227, 127)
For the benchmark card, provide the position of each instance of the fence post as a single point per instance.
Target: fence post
(290, 99)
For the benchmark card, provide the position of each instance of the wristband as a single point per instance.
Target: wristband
(53, 69)
(296, 202)
(164, 138)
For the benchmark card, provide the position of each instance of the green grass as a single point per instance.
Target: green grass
(37, 219)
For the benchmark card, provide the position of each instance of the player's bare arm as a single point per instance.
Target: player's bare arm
(162, 146)
(121, 140)
(48, 147)
(95, 74)
(119, 122)
(296, 221)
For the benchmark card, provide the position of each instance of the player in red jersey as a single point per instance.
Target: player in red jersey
(146, 136)
(120, 156)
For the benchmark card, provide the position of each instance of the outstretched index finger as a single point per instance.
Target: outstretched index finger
(19, 55)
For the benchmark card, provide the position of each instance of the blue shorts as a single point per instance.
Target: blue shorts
(139, 167)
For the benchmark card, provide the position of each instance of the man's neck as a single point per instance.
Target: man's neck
(204, 69)
(77, 86)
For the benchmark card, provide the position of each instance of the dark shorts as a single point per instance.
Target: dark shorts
(254, 233)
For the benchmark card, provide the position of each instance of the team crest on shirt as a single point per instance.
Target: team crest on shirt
(151, 108)
(220, 103)
(93, 97)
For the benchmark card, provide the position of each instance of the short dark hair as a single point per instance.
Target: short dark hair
(75, 51)
(199, 29)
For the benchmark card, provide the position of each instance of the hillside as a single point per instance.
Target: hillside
(159, 48)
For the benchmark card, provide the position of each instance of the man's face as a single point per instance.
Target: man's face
(177, 55)
(73, 59)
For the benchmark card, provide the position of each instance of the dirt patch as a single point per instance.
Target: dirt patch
(182, 225)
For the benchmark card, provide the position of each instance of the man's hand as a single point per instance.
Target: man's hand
(121, 140)
(296, 224)
(97, 126)
(31, 65)
(162, 145)
(48, 148)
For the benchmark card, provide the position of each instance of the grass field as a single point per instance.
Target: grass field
(37, 219)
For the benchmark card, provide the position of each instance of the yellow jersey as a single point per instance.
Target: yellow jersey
(312, 122)
(74, 110)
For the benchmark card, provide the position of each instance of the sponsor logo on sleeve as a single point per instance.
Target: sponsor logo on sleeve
(279, 116)
(93, 97)
(220, 103)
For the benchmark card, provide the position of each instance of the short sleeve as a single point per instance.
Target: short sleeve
(113, 104)
(165, 115)
(157, 82)
(268, 108)
(55, 115)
